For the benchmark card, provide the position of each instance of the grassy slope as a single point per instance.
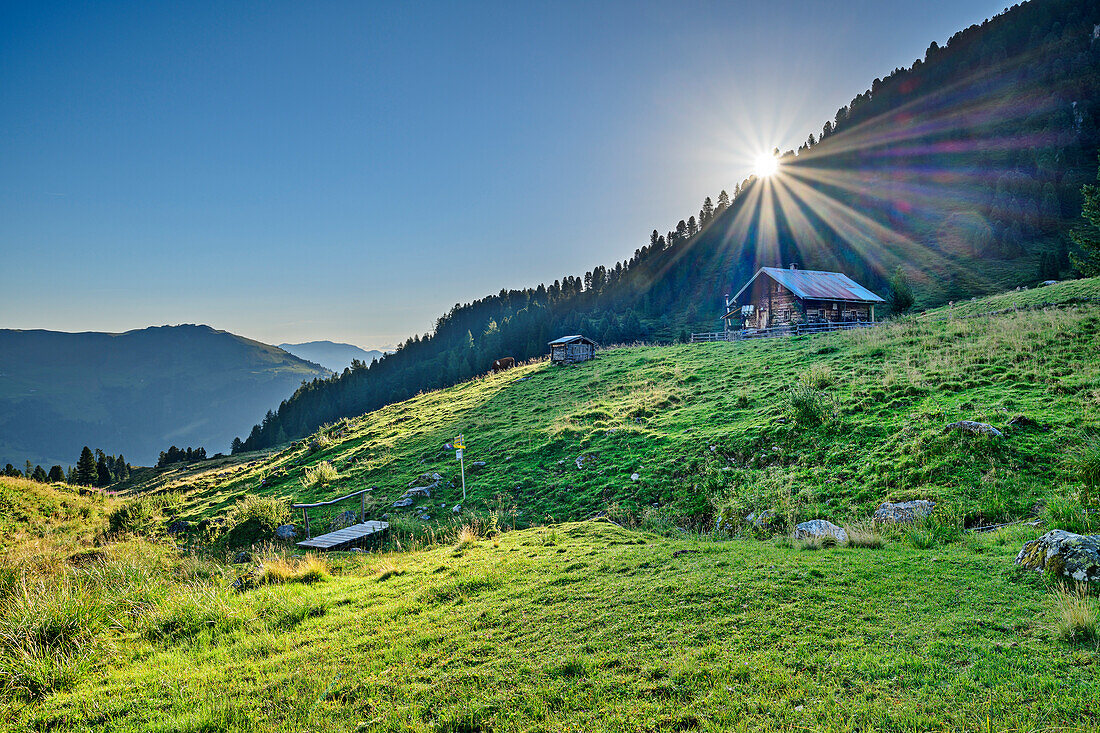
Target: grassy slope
(714, 420)
(43, 522)
(591, 627)
(587, 626)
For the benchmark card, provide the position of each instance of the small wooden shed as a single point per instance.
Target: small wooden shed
(777, 297)
(572, 349)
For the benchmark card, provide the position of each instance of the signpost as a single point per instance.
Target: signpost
(460, 444)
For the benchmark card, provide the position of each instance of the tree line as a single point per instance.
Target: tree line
(92, 469)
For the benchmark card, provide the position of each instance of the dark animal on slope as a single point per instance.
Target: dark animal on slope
(502, 364)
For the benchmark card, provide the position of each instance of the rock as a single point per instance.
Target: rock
(635, 477)
(176, 527)
(1063, 553)
(816, 528)
(427, 478)
(286, 532)
(1045, 283)
(579, 461)
(448, 446)
(457, 509)
(419, 492)
(344, 519)
(902, 512)
(385, 516)
(478, 464)
(358, 550)
(242, 557)
(978, 428)
(1023, 421)
(404, 502)
(760, 520)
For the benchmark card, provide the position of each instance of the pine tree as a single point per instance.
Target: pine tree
(39, 475)
(235, 448)
(86, 473)
(103, 475)
(57, 474)
(1087, 234)
(723, 201)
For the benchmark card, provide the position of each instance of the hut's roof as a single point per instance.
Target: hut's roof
(816, 285)
(571, 340)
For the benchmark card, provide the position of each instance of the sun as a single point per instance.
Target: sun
(765, 165)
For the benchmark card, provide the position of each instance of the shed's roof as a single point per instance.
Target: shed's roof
(572, 339)
(816, 285)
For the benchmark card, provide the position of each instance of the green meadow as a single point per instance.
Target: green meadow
(568, 595)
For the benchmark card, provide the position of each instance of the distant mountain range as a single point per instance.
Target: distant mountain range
(331, 355)
(137, 392)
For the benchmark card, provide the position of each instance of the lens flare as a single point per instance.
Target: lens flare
(765, 165)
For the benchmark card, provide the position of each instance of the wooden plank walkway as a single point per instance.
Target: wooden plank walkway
(345, 536)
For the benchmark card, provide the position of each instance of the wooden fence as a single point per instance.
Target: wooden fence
(794, 329)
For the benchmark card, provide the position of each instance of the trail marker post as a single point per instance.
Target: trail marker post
(460, 444)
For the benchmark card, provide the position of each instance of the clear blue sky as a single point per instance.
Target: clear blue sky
(349, 171)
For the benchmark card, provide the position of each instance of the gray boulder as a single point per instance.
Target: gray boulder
(478, 464)
(978, 428)
(344, 519)
(819, 528)
(1063, 553)
(418, 492)
(179, 526)
(403, 502)
(635, 477)
(286, 532)
(457, 509)
(902, 512)
(427, 478)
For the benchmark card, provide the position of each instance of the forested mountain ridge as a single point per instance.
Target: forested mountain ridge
(964, 169)
(138, 391)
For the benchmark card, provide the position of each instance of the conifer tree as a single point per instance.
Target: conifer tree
(1087, 234)
(86, 474)
(57, 474)
(103, 474)
(39, 475)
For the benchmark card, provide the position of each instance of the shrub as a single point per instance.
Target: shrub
(143, 515)
(319, 475)
(1075, 614)
(254, 519)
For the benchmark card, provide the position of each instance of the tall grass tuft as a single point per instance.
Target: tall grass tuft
(1086, 464)
(1075, 614)
(863, 534)
(51, 636)
(319, 475)
(279, 570)
(809, 406)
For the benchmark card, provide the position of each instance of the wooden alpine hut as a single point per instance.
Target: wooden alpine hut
(778, 298)
(572, 349)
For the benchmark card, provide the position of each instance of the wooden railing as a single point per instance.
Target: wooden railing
(362, 494)
(793, 329)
